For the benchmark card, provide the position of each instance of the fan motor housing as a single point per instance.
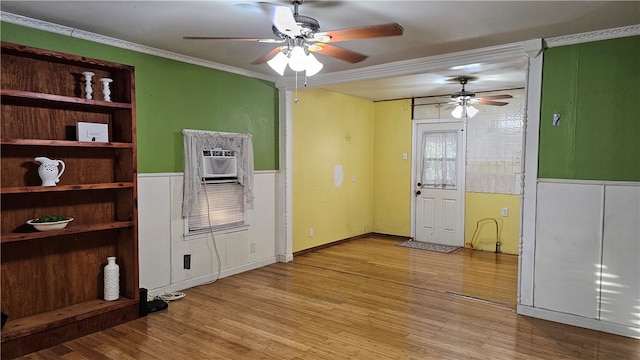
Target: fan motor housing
(308, 24)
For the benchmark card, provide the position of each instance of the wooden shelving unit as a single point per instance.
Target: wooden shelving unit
(52, 286)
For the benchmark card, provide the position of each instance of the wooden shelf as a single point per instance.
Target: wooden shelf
(51, 56)
(18, 328)
(40, 189)
(64, 143)
(59, 102)
(50, 281)
(71, 229)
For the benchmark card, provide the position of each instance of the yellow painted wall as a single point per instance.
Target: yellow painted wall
(331, 129)
(484, 205)
(392, 173)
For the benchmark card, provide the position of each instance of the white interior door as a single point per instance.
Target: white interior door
(439, 183)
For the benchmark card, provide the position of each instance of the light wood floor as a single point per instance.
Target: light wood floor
(364, 299)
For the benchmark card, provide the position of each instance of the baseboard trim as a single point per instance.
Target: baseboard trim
(579, 321)
(357, 237)
(208, 278)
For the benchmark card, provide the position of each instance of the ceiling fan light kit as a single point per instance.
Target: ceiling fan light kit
(464, 100)
(279, 63)
(298, 58)
(467, 110)
(301, 35)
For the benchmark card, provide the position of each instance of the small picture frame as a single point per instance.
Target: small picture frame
(92, 132)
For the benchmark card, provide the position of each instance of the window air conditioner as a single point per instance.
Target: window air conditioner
(218, 163)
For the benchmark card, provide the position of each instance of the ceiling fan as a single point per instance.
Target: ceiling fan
(300, 36)
(467, 97)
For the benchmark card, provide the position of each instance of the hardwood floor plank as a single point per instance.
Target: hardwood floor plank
(362, 299)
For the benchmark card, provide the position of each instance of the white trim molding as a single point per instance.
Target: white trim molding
(414, 66)
(209, 278)
(526, 246)
(579, 321)
(632, 30)
(588, 182)
(106, 40)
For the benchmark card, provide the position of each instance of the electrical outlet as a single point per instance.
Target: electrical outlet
(252, 248)
(310, 232)
(187, 261)
(505, 212)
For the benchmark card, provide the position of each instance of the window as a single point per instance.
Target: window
(439, 159)
(219, 206)
(213, 202)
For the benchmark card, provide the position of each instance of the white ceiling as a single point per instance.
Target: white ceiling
(430, 28)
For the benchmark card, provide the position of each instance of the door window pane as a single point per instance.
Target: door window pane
(439, 159)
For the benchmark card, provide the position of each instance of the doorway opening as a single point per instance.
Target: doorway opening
(490, 165)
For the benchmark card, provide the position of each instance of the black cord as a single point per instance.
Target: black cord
(478, 226)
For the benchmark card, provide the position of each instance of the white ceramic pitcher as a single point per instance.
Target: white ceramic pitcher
(48, 170)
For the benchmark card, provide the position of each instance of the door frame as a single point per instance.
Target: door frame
(414, 154)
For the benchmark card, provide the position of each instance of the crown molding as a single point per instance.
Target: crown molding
(529, 48)
(106, 40)
(631, 30)
(413, 66)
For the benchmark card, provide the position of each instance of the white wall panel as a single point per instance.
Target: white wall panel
(620, 282)
(236, 248)
(568, 248)
(163, 243)
(262, 219)
(154, 240)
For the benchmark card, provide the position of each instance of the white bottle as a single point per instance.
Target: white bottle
(111, 280)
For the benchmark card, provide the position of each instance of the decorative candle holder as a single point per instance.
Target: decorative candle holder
(105, 88)
(88, 75)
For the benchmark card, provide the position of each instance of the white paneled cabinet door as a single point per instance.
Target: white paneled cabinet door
(620, 278)
(568, 248)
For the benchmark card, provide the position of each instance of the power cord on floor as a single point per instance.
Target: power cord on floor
(169, 296)
(471, 245)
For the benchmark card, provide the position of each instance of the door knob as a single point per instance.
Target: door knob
(419, 184)
(418, 192)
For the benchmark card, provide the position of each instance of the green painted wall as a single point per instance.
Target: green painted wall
(596, 88)
(172, 95)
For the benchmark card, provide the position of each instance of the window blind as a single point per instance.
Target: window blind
(218, 206)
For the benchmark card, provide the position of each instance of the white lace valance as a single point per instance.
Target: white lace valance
(195, 141)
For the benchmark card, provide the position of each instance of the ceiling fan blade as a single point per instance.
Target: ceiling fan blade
(337, 52)
(268, 56)
(284, 21)
(365, 32)
(498, 97)
(491, 102)
(273, 41)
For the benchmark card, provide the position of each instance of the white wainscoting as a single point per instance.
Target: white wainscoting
(162, 244)
(568, 248)
(587, 255)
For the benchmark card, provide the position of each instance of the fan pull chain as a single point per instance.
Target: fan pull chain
(296, 100)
